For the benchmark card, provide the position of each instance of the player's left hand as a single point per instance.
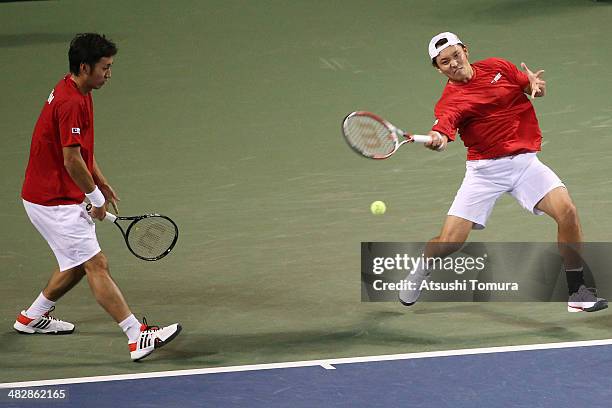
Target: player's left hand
(110, 195)
(537, 85)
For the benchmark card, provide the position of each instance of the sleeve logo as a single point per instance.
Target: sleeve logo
(76, 131)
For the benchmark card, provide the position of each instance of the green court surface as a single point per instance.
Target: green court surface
(225, 115)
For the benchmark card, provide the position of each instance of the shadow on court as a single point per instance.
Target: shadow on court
(22, 40)
(509, 10)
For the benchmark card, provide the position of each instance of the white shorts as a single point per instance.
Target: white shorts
(524, 176)
(69, 231)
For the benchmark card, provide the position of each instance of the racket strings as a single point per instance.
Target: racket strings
(368, 136)
(152, 237)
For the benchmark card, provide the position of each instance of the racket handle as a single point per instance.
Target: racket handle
(421, 138)
(110, 217)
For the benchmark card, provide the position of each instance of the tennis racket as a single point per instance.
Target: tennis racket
(149, 237)
(375, 138)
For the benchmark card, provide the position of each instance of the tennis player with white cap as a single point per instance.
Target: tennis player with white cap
(487, 104)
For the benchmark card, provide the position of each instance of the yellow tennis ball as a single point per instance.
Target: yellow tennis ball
(378, 208)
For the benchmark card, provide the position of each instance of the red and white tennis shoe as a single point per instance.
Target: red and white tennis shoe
(45, 324)
(151, 338)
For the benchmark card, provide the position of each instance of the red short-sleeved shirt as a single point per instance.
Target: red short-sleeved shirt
(491, 112)
(66, 120)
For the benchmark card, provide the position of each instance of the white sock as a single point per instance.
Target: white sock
(40, 306)
(131, 327)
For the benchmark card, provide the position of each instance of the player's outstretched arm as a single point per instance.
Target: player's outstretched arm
(537, 86)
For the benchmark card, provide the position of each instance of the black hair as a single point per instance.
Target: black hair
(89, 48)
(440, 43)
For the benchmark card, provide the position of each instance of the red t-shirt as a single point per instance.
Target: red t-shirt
(493, 115)
(66, 120)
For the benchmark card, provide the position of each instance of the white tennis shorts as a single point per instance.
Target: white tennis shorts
(69, 231)
(523, 176)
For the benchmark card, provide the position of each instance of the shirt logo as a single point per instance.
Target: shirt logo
(51, 97)
(435, 122)
(76, 131)
(497, 77)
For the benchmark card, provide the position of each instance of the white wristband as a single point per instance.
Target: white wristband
(96, 198)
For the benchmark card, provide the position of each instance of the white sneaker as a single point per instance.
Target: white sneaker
(152, 337)
(45, 324)
(585, 300)
(408, 297)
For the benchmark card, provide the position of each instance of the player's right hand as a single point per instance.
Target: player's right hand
(438, 141)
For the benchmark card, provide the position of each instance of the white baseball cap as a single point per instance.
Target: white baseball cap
(451, 39)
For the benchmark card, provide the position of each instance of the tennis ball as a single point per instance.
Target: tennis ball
(378, 208)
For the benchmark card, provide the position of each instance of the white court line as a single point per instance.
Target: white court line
(326, 363)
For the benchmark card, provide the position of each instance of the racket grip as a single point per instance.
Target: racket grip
(110, 217)
(421, 138)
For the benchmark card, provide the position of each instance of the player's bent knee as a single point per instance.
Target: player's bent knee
(446, 244)
(451, 238)
(568, 214)
(97, 264)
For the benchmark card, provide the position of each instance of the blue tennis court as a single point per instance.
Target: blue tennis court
(553, 375)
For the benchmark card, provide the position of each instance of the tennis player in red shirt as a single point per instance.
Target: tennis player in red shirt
(487, 104)
(62, 171)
